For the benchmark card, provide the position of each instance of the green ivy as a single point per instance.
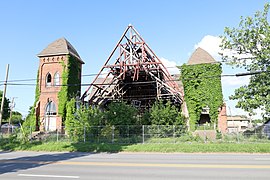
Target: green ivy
(30, 120)
(70, 84)
(202, 87)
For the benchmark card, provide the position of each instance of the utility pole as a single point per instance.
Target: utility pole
(4, 95)
(12, 105)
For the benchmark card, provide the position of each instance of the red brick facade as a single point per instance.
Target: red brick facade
(49, 91)
(222, 119)
(52, 61)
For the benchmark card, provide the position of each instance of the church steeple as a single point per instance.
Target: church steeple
(60, 47)
(200, 56)
(58, 57)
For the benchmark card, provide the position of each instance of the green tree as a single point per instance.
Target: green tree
(165, 119)
(165, 114)
(80, 121)
(6, 108)
(16, 117)
(120, 113)
(29, 124)
(249, 47)
(119, 116)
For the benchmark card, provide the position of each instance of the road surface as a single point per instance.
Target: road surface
(156, 166)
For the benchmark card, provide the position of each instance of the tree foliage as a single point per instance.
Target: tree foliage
(116, 118)
(248, 46)
(79, 121)
(120, 113)
(6, 108)
(16, 117)
(165, 114)
(29, 123)
(202, 86)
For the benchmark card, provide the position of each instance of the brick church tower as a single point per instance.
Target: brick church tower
(203, 92)
(59, 66)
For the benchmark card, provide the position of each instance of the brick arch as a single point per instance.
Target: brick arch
(48, 80)
(50, 108)
(56, 78)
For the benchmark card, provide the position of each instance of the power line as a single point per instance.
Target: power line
(145, 82)
(13, 82)
(84, 75)
(249, 73)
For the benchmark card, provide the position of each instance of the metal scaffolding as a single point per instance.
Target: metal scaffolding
(133, 73)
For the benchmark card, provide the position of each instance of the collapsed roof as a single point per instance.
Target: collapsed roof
(133, 73)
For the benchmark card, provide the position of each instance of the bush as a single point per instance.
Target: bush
(165, 114)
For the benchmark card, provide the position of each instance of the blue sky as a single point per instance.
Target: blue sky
(172, 28)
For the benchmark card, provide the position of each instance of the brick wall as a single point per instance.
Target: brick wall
(50, 65)
(222, 119)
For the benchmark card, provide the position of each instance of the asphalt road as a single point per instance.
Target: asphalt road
(156, 166)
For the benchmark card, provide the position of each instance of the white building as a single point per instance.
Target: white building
(238, 123)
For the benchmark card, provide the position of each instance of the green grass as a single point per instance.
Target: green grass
(194, 147)
(201, 148)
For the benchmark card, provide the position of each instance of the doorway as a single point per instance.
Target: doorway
(204, 118)
(50, 116)
(50, 123)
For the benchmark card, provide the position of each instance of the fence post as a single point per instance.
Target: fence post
(112, 134)
(98, 134)
(128, 133)
(204, 132)
(30, 134)
(84, 134)
(143, 134)
(57, 133)
(174, 134)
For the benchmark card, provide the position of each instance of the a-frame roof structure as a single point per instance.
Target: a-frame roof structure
(133, 73)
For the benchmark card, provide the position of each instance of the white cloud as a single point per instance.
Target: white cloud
(232, 81)
(210, 44)
(170, 65)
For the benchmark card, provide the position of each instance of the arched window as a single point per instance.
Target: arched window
(50, 108)
(56, 79)
(48, 79)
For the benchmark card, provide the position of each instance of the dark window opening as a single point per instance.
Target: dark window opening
(48, 79)
(204, 118)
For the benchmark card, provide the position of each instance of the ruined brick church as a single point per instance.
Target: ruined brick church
(135, 75)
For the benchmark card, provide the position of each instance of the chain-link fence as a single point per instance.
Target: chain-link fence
(127, 134)
(138, 134)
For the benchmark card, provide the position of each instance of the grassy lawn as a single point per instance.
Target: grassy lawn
(191, 147)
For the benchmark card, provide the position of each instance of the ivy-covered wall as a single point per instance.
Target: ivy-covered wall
(202, 87)
(71, 84)
(31, 119)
